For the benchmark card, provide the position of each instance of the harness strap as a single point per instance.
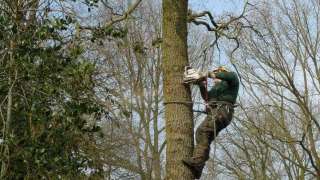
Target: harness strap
(206, 94)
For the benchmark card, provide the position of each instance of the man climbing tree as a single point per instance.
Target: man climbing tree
(220, 100)
(177, 96)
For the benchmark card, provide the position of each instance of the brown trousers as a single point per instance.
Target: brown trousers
(218, 118)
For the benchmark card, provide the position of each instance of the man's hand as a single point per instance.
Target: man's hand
(212, 75)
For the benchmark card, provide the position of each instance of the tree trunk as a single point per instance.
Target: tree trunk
(179, 122)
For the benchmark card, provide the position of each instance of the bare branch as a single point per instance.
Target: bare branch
(193, 16)
(125, 15)
(116, 19)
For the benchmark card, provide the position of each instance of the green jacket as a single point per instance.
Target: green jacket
(226, 90)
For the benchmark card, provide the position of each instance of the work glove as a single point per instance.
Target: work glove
(192, 76)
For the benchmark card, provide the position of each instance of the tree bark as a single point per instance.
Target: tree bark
(179, 117)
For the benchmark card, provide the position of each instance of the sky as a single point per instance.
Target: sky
(217, 7)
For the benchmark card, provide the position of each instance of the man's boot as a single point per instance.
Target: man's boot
(193, 161)
(195, 164)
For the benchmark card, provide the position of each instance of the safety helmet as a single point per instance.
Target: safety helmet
(221, 69)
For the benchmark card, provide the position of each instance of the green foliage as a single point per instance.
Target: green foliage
(109, 31)
(52, 88)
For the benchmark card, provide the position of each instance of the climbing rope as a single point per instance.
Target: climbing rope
(207, 104)
(206, 99)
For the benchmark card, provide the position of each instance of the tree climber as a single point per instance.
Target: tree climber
(220, 99)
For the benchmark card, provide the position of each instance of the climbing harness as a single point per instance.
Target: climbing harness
(217, 104)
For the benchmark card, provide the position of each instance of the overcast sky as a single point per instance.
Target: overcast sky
(217, 7)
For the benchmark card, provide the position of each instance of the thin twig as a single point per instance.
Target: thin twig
(116, 19)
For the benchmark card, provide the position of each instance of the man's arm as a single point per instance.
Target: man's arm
(230, 77)
(203, 90)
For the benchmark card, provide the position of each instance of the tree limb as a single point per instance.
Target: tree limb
(125, 15)
(115, 19)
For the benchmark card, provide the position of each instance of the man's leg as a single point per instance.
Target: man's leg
(201, 151)
(207, 131)
(205, 134)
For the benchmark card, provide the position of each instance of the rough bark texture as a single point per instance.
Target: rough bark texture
(179, 123)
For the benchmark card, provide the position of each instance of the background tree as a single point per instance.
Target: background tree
(42, 99)
(49, 111)
(130, 82)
